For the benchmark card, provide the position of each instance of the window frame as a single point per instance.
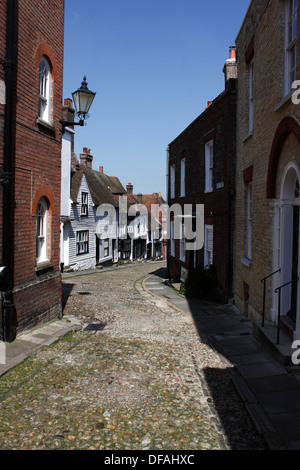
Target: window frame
(182, 177)
(208, 259)
(172, 238)
(182, 242)
(45, 89)
(42, 232)
(251, 100)
(84, 204)
(172, 181)
(106, 248)
(82, 242)
(209, 165)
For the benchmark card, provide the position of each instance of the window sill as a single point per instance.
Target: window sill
(43, 265)
(45, 124)
(246, 262)
(250, 134)
(284, 100)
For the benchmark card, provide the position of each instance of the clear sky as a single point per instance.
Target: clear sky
(154, 65)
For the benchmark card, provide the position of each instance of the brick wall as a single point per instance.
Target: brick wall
(261, 38)
(36, 161)
(216, 122)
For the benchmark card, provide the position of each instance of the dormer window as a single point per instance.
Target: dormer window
(44, 90)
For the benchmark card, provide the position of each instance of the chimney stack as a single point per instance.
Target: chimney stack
(129, 188)
(100, 169)
(86, 158)
(230, 67)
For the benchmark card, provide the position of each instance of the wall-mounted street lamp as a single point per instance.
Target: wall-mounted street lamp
(83, 99)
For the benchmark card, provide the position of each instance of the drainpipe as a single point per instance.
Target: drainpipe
(8, 311)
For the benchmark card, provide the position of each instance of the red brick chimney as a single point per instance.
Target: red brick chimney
(129, 188)
(230, 67)
(100, 169)
(86, 158)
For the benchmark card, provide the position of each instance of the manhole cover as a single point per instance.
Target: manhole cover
(95, 327)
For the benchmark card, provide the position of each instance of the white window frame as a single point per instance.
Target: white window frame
(209, 165)
(251, 102)
(172, 181)
(182, 242)
(208, 246)
(106, 248)
(290, 48)
(182, 177)
(42, 232)
(82, 242)
(84, 203)
(44, 111)
(172, 238)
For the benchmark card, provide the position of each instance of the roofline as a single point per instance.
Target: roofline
(242, 25)
(214, 102)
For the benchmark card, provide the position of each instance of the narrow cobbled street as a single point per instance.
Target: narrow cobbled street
(134, 377)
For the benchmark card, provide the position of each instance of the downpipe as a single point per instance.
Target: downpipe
(8, 313)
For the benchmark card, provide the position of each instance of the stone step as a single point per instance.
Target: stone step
(267, 337)
(287, 325)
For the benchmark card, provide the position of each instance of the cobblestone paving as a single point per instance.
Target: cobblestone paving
(144, 381)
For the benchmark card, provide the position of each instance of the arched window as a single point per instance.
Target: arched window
(44, 90)
(42, 231)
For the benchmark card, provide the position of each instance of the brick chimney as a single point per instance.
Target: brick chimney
(129, 188)
(68, 114)
(68, 110)
(86, 158)
(100, 169)
(230, 67)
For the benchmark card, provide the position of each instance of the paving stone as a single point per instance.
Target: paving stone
(144, 381)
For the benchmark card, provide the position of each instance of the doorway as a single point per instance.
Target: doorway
(289, 224)
(295, 263)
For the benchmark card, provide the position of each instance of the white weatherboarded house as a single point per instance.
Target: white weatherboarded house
(93, 228)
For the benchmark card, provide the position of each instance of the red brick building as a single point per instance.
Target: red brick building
(31, 49)
(201, 169)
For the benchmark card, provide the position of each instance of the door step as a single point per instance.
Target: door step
(267, 337)
(288, 325)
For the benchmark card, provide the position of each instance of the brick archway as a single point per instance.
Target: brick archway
(288, 125)
(45, 192)
(45, 49)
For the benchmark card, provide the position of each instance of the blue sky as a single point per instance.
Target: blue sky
(154, 65)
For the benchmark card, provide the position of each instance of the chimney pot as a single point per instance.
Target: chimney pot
(100, 169)
(68, 102)
(232, 52)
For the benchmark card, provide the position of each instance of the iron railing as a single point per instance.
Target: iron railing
(264, 297)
